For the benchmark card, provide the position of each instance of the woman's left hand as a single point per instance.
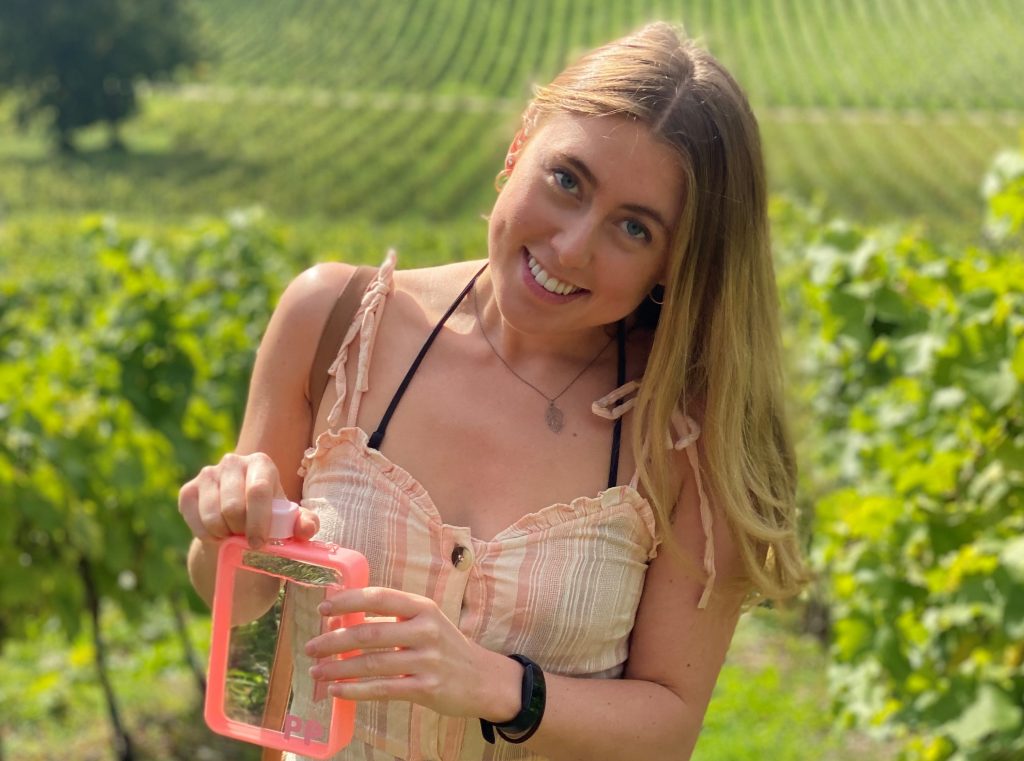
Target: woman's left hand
(420, 656)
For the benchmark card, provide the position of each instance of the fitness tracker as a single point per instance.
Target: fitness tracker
(521, 728)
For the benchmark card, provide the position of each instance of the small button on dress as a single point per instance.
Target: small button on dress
(462, 558)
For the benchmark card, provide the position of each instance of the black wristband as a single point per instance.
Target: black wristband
(521, 728)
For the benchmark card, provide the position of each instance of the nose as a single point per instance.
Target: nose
(573, 243)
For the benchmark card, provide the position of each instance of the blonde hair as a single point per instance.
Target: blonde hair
(716, 347)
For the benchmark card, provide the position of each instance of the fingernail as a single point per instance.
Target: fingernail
(324, 608)
(255, 542)
(315, 672)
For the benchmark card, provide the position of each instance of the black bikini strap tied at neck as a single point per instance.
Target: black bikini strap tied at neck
(378, 436)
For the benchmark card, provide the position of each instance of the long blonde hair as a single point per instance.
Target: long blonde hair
(716, 349)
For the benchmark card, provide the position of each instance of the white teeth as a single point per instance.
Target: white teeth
(548, 283)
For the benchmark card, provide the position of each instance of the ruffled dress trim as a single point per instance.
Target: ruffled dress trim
(617, 499)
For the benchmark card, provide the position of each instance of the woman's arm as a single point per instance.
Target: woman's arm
(654, 712)
(676, 652)
(234, 496)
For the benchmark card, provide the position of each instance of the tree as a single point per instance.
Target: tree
(77, 62)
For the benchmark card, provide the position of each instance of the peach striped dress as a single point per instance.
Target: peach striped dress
(560, 585)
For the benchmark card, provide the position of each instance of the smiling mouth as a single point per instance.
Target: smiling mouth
(548, 282)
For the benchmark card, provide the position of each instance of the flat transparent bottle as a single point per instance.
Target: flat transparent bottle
(259, 689)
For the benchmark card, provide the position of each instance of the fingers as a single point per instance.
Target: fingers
(388, 663)
(234, 497)
(422, 657)
(379, 601)
(231, 495)
(380, 634)
(424, 660)
(262, 484)
(210, 517)
(188, 506)
(307, 524)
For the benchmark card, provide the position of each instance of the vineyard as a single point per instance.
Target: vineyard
(402, 110)
(134, 288)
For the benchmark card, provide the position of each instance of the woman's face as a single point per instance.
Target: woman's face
(580, 232)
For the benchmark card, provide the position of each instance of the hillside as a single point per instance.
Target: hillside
(398, 110)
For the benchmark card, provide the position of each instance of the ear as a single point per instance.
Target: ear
(529, 122)
(510, 159)
(514, 149)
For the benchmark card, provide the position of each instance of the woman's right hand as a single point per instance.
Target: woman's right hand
(234, 496)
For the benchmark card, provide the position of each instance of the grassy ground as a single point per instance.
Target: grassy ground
(770, 702)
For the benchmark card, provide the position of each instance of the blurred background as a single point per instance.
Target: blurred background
(167, 166)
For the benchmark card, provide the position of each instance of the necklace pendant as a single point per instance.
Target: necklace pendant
(554, 418)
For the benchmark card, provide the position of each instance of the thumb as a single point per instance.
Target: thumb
(307, 523)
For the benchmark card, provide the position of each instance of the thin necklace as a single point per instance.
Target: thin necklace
(553, 416)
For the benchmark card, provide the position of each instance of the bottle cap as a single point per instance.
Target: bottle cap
(283, 513)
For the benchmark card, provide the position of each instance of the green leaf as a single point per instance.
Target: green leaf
(1017, 363)
(992, 711)
(1012, 557)
(996, 388)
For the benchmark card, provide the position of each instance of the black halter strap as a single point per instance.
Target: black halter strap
(613, 469)
(377, 438)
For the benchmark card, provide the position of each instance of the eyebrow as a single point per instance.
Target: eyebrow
(636, 208)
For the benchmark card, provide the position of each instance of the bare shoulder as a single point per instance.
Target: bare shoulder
(432, 289)
(298, 319)
(308, 299)
(278, 417)
(318, 285)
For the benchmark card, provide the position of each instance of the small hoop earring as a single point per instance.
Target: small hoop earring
(651, 295)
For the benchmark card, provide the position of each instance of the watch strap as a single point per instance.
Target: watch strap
(534, 698)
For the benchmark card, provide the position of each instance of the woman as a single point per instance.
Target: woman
(628, 263)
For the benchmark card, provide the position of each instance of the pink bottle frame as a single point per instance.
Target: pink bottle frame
(354, 570)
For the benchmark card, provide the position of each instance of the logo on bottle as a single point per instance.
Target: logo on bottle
(310, 730)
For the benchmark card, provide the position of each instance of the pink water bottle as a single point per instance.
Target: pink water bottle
(259, 689)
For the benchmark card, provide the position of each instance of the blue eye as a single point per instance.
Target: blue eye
(565, 180)
(636, 230)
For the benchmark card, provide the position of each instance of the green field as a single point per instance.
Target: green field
(332, 111)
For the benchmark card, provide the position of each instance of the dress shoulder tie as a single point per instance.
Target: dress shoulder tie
(364, 324)
(683, 436)
(687, 433)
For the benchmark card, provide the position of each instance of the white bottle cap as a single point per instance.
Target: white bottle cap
(283, 513)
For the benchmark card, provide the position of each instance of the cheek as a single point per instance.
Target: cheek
(632, 281)
(512, 212)
(498, 221)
